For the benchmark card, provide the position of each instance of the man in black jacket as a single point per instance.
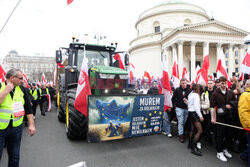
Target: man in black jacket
(221, 111)
(154, 89)
(180, 95)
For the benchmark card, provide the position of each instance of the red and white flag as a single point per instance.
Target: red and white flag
(185, 74)
(221, 67)
(166, 88)
(38, 83)
(245, 65)
(147, 75)
(175, 73)
(205, 67)
(44, 79)
(120, 57)
(49, 102)
(2, 73)
(197, 75)
(25, 80)
(69, 1)
(60, 65)
(131, 73)
(83, 89)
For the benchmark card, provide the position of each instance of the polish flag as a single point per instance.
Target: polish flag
(60, 65)
(221, 68)
(245, 65)
(83, 88)
(166, 88)
(147, 75)
(185, 74)
(120, 57)
(195, 78)
(38, 83)
(2, 73)
(131, 73)
(175, 73)
(205, 67)
(43, 77)
(69, 1)
(49, 102)
(25, 80)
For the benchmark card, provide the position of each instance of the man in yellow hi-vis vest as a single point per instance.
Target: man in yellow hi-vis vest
(14, 105)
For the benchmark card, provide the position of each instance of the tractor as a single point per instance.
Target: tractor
(104, 75)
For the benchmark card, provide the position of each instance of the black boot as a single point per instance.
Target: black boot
(195, 150)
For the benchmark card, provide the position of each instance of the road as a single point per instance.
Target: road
(51, 148)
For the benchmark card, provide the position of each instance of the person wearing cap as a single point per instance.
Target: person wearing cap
(36, 96)
(14, 105)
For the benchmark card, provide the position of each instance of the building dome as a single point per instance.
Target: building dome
(13, 52)
(170, 15)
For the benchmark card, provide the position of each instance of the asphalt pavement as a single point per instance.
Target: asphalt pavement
(51, 148)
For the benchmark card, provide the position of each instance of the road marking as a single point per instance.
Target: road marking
(79, 164)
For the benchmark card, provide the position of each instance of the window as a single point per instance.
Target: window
(236, 53)
(236, 61)
(157, 27)
(226, 55)
(236, 70)
(226, 63)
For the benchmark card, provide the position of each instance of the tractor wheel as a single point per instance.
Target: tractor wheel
(76, 122)
(61, 100)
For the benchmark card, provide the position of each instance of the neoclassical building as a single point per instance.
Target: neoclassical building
(32, 66)
(184, 29)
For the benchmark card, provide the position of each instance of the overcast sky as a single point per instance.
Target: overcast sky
(42, 26)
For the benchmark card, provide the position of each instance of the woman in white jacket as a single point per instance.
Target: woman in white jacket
(195, 116)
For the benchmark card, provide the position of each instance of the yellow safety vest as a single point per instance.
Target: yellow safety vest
(40, 90)
(6, 111)
(34, 94)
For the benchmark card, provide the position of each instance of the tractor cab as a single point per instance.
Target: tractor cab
(104, 75)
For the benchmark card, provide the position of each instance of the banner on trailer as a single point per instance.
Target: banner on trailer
(117, 117)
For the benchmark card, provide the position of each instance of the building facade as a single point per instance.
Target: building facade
(182, 29)
(32, 66)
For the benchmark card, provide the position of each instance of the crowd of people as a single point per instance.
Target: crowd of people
(18, 105)
(205, 112)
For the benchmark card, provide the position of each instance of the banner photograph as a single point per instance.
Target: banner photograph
(118, 117)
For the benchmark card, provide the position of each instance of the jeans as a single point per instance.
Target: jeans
(166, 122)
(246, 153)
(12, 136)
(182, 115)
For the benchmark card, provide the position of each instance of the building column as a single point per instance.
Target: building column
(180, 57)
(218, 48)
(231, 60)
(205, 49)
(192, 59)
(168, 51)
(242, 53)
(165, 56)
(174, 56)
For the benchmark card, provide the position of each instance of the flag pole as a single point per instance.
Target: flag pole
(10, 16)
(232, 126)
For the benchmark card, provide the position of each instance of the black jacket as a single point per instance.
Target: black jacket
(178, 96)
(153, 91)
